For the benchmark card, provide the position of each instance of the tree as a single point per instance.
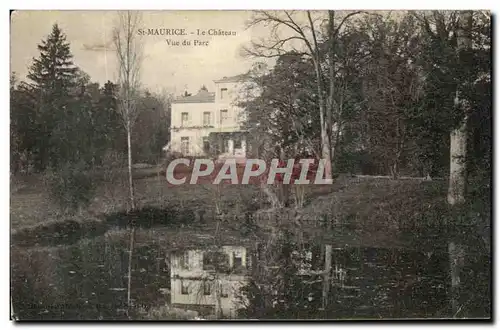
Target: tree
(391, 87)
(350, 52)
(281, 118)
(480, 122)
(432, 117)
(336, 62)
(455, 59)
(109, 129)
(22, 124)
(458, 136)
(310, 35)
(152, 127)
(128, 51)
(282, 115)
(54, 71)
(53, 75)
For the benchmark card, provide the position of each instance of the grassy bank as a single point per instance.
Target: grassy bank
(361, 211)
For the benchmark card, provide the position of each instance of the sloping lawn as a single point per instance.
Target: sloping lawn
(373, 209)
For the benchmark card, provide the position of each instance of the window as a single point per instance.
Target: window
(224, 290)
(237, 260)
(206, 118)
(206, 144)
(215, 260)
(226, 145)
(185, 145)
(184, 260)
(206, 288)
(237, 143)
(184, 118)
(208, 262)
(223, 93)
(184, 288)
(223, 116)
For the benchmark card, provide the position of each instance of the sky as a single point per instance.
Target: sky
(164, 68)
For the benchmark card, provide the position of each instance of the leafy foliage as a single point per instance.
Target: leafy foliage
(395, 85)
(72, 186)
(60, 116)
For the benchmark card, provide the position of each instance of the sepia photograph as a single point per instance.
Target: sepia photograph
(250, 165)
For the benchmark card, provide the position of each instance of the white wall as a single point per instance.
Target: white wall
(194, 129)
(195, 261)
(195, 140)
(230, 103)
(195, 113)
(231, 283)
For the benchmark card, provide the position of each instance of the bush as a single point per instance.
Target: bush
(71, 186)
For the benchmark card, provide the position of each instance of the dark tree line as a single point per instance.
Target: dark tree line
(395, 82)
(59, 116)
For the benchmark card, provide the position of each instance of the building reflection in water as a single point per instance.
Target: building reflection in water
(288, 281)
(209, 281)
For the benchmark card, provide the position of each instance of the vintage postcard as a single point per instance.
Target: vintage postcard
(250, 165)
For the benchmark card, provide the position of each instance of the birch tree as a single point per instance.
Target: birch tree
(129, 56)
(458, 136)
(458, 55)
(128, 52)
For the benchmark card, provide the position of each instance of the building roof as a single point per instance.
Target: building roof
(237, 78)
(203, 96)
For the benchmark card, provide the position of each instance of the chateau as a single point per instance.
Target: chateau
(209, 123)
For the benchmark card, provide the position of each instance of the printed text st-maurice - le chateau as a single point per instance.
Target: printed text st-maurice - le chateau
(184, 32)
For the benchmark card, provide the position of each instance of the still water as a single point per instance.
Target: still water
(272, 279)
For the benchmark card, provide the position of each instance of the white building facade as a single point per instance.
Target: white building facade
(209, 281)
(209, 123)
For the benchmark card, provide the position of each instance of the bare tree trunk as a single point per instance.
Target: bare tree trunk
(284, 189)
(326, 278)
(335, 143)
(130, 256)
(218, 302)
(130, 177)
(132, 229)
(334, 111)
(400, 131)
(458, 175)
(128, 51)
(397, 162)
(325, 137)
(458, 137)
(456, 256)
(273, 199)
(395, 170)
(331, 76)
(323, 116)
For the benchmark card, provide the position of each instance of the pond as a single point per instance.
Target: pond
(276, 278)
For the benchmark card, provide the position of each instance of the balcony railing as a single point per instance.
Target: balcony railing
(177, 128)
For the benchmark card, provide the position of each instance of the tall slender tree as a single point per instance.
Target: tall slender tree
(128, 51)
(129, 56)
